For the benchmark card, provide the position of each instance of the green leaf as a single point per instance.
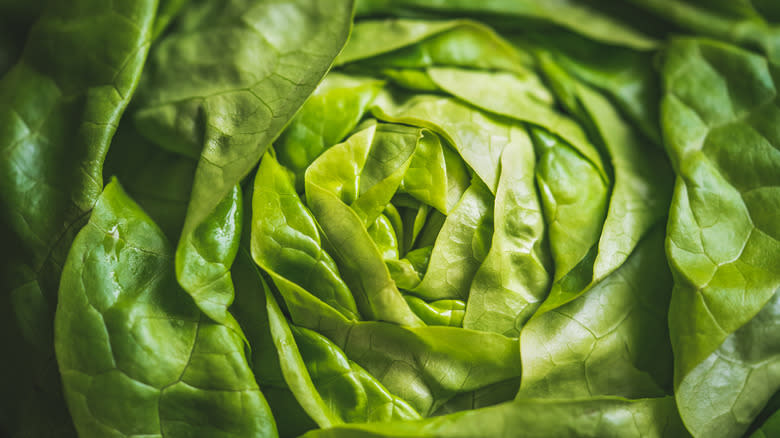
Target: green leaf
(250, 311)
(136, 355)
(720, 120)
(384, 236)
(461, 246)
(479, 398)
(371, 165)
(640, 194)
(317, 126)
(425, 366)
(479, 138)
(627, 77)
(574, 202)
(642, 189)
(405, 44)
(584, 18)
(738, 22)
(58, 113)
(16, 18)
(160, 181)
(737, 379)
(408, 271)
(331, 388)
(598, 417)
(522, 98)
(356, 395)
(612, 340)
(430, 175)
(513, 279)
(286, 240)
(439, 312)
(204, 258)
(292, 365)
(771, 425)
(226, 81)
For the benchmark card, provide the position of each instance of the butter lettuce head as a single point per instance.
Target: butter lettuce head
(377, 218)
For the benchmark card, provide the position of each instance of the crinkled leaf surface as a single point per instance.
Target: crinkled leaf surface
(737, 379)
(514, 277)
(612, 340)
(372, 164)
(136, 354)
(331, 112)
(247, 75)
(460, 247)
(720, 115)
(286, 240)
(57, 116)
(457, 232)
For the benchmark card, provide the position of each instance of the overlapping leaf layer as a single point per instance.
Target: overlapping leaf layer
(401, 218)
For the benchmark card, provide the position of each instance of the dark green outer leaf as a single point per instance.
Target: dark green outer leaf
(159, 180)
(247, 76)
(166, 12)
(769, 9)
(136, 355)
(16, 17)
(59, 116)
(770, 429)
(59, 107)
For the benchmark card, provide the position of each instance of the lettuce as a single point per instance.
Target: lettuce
(390, 218)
